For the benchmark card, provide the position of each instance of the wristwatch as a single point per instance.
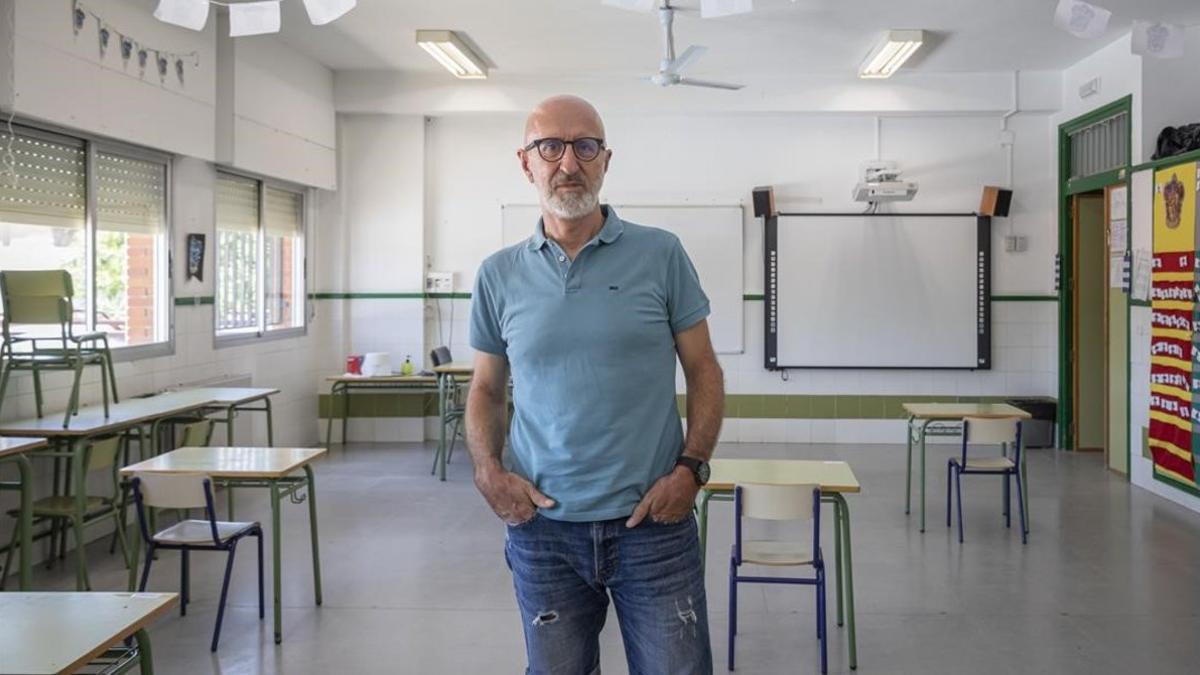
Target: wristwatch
(698, 467)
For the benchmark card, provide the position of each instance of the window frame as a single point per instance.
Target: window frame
(261, 333)
(91, 146)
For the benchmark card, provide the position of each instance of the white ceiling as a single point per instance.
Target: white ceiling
(585, 38)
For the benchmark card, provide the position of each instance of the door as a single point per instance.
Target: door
(1116, 319)
(1090, 289)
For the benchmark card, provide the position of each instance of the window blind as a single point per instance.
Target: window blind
(130, 194)
(283, 211)
(50, 186)
(237, 204)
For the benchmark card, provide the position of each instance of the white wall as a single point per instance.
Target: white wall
(1169, 88)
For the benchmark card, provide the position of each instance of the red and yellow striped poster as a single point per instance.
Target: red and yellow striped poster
(1174, 392)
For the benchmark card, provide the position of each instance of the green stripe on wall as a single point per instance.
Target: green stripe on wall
(1024, 298)
(747, 297)
(194, 300)
(739, 406)
(366, 296)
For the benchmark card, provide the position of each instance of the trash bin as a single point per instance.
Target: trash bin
(1039, 431)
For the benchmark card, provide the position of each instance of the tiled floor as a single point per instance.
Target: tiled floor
(415, 580)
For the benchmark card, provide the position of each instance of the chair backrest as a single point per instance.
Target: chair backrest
(440, 356)
(991, 431)
(174, 491)
(763, 501)
(197, 434)
(36, 296)
(102, 453)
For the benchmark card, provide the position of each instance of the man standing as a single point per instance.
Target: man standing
(589, 314)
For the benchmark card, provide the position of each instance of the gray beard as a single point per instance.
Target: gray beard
(571, 205)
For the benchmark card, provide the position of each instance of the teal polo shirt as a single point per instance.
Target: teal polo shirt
(591, 346)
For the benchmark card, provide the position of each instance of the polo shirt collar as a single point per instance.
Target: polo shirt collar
(611, 230)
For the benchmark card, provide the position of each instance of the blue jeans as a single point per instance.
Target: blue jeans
(563, 573)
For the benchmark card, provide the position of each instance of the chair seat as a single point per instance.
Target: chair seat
(776, 553)
(64, 506)
(987, 463)
(200, 532)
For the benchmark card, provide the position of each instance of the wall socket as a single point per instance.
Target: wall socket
(439, 282)
(1016, 243)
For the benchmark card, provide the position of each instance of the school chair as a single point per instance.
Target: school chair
(456, 408)
(100, 454)
(189, 491)
(777, 503)
(36, 300)
(1005, 432)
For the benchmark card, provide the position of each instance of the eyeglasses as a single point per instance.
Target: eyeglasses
(551, 149)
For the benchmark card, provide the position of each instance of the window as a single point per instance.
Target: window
(260, 257)
(98, 211)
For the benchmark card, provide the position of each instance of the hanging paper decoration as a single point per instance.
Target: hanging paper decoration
(104, 35)
(254, 18)
(179, 69)
(1174, 389)
(77, 18)
(1081, 19)
(162, 67)
(142, 56)
(126, 49)
(1161, 40)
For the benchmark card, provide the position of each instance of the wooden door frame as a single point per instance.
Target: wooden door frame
(1075, 305)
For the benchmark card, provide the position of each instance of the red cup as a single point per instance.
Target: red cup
(354, 365)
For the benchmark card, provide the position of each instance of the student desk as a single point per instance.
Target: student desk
(89, 423)
(50, 633)
(342, 385)
(249, 467)
(13, 450)
(447, 376)
(944, 419)
(835, 479)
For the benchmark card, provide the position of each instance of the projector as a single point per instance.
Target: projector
(881, 183)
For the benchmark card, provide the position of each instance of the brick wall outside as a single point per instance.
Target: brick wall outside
(139, 284)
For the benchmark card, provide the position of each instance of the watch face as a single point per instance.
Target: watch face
(702, 472)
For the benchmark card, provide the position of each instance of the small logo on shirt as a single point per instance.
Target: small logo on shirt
(614, 288)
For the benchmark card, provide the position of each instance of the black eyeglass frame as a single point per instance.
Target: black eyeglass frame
(537, 142)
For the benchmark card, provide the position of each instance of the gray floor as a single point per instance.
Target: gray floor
(415, 580)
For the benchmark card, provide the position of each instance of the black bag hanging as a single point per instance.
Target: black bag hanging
(1177, 140)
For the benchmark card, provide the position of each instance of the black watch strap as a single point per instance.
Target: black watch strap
(698, 467)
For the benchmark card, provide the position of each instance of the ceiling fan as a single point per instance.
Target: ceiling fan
(670, 69)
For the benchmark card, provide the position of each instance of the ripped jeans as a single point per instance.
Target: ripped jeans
(564, 572)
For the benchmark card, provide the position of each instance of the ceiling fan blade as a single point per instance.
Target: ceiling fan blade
(710, 84)
(712, 9)
(631, 5)
(685, 59)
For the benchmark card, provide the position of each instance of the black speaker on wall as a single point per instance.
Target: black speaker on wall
(995, 201)
(764, 201)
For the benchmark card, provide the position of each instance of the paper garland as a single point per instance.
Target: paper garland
(130, 45)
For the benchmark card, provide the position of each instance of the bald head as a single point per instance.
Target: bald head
(563, 117)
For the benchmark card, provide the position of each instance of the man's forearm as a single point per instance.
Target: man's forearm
(705, 410)
(485, 419)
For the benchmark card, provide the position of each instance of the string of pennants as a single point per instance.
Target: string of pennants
(131, 48)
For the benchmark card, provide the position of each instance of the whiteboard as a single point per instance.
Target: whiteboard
(877, 291)
(712, 237)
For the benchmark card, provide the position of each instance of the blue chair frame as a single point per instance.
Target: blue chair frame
(957, 466)
(818, 564)
(229, 546)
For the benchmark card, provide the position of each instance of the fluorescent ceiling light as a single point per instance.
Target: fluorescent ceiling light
(191, 14)
(448, 49)
(253, 18)
(892, 51)
(321, 12)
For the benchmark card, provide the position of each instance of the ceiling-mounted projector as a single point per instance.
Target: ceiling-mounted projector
(881, 183)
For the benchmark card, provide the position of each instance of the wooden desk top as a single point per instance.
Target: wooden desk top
(60, 632)
(91, 420)
(957, 411)
(384, 379)
(831, 476)
(230, 395)
(456, 368)
(225, 462)
(15, 446)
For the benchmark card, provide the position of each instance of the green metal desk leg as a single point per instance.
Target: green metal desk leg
(229, 441)
(312, 531)
(442, 425)
(837, 559)
(270, 423)
(702, 512)
(908, 430)
(924, 428)
(26, 522)
(846, 576)
(277, 585)
(345, 412)
(80, 479)
(145, 655)
(329, 418)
